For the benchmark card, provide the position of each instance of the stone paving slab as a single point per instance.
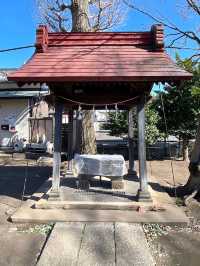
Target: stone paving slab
(131, 246)
(98, 245)
(19, 248)
(102, 244)
(63, 245)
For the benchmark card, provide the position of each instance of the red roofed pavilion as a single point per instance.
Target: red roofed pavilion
(101, 69)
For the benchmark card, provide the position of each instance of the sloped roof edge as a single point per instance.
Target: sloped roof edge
(106, 56)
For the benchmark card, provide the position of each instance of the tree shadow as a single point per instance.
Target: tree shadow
(178, 191)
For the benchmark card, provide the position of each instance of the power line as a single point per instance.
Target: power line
(169, 147)
(17, 48)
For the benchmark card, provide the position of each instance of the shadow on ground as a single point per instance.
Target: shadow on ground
(12, 179)
(99, 191)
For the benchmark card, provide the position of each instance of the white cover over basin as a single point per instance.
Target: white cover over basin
(100, 165)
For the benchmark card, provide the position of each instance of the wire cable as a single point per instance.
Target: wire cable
(17, 48)
(169, 147)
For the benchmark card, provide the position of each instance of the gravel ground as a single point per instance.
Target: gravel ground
(174, 245)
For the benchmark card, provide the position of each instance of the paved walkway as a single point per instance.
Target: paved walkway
(89, 244)
(17, 247)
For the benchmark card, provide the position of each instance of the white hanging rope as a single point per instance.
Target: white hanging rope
(93, 115)
(98, 104)
(116, 111)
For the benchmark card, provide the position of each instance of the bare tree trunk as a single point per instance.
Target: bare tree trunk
(193, 182)
(185, 150)
(80, 23)
(88, 136)
(195, 155)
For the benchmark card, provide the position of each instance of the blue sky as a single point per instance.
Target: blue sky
(19, 20)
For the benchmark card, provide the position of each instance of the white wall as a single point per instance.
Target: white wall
(12, 112)
(101, 117)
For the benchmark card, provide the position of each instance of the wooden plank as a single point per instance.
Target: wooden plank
(111, 55)
(102, 74)
(99, 36)
(131, 41)
(131, 52)
(29, 77)
(93, 62)
(100, 67)
(113, 48)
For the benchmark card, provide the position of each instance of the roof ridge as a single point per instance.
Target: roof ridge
(153, 38)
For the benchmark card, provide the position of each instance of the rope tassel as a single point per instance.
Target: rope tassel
(80, 115)
(93, 115)
(116, 111)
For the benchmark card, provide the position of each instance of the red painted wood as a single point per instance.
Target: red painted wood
(97, 57)
(63, 79)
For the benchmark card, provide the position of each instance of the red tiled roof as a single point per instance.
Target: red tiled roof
(133, 56)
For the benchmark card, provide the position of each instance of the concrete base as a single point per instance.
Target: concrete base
(168, 212)
(132, 175)
(88, 205)
(172, 215)
(144, 196)
(117, 184)
(53, 196)
(83, 182)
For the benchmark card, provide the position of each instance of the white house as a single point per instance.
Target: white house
(16, 108)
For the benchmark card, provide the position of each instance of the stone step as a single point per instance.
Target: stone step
(102, 244)
(91, 205)
(172, 215)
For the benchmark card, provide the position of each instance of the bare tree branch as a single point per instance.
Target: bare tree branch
(102, 14)
(194, 5)
(176, 30)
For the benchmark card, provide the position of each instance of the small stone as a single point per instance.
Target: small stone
(117, 184)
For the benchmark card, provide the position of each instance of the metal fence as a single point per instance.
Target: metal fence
(159, 151)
